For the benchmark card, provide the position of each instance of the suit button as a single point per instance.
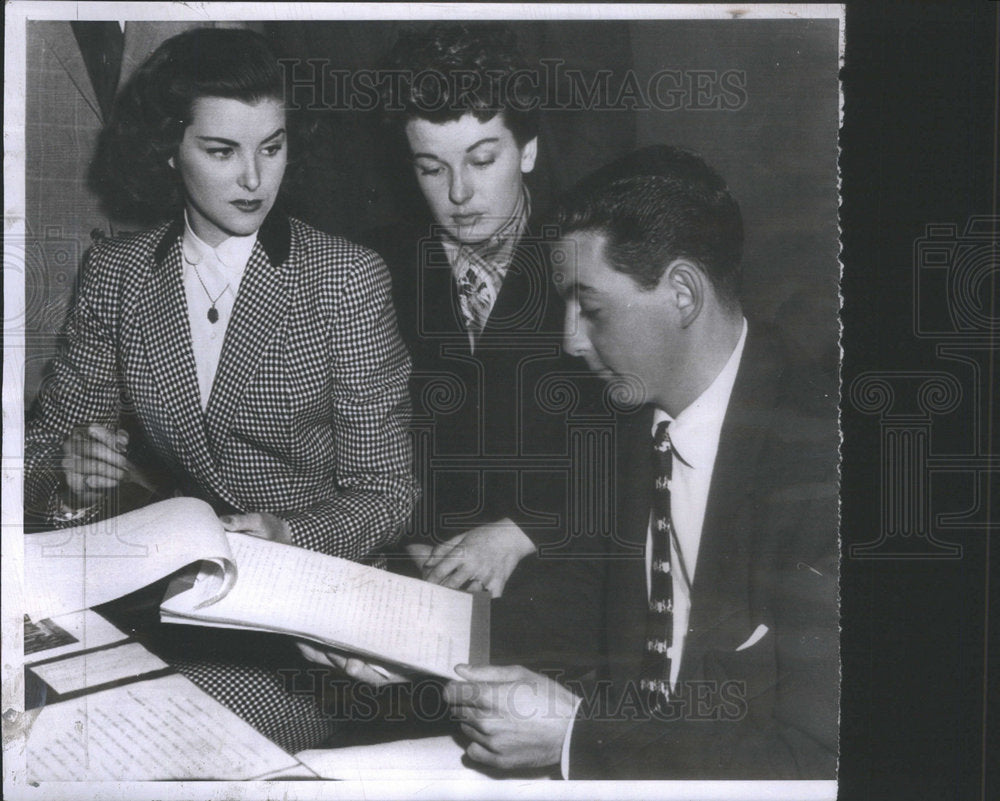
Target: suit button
(97, 235)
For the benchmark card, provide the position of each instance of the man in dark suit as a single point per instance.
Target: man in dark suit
(703, 643)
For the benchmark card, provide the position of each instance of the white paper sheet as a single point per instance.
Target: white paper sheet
(368, 611)
(428, 758)
(165, 728)
(77, 568)
(95, 668)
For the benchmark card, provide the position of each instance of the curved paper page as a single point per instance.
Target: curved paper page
(202, 585)
(360, 609)
(76, 568)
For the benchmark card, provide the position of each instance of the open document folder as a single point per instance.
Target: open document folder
(234, 580)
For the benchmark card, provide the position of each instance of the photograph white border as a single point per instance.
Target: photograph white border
(18, 13)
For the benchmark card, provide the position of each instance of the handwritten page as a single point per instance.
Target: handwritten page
(429, 758)
(160, 729)
(98, 667)
(335, 601)
(51, 637)
(76, 568)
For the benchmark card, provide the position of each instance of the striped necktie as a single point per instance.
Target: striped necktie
(655, 679)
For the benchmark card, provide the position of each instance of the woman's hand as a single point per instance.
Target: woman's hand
(483, 557)
(94, 462)
(259, 524)
(359, 670)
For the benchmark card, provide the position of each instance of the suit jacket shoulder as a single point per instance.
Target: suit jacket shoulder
(343, 274)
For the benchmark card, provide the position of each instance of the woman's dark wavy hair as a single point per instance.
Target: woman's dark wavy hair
(444, 72)
(130, 172)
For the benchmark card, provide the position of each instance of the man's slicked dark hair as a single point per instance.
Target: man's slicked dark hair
(658, 204)
(453, 69)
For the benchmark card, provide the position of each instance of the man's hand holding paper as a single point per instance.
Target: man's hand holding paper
(514, 717)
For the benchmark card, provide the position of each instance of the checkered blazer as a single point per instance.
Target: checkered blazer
(308, 412)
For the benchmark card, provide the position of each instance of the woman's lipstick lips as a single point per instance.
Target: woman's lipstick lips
(247, 205)
(466, 219)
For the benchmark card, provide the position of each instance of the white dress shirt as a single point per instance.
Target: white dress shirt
(221, 270)
(694, 435)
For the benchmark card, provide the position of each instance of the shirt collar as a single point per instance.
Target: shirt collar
(232, 253)
(694, 434)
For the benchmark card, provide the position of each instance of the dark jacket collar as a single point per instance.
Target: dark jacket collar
(274, 236)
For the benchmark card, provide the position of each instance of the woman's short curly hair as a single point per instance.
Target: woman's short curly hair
(444, 72)
(130, 172)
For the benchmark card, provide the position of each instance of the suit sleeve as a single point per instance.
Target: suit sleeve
(81, 388)
(769, 711)
(369, 417)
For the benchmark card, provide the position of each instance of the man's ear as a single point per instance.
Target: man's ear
(528, 155)
(687, 286)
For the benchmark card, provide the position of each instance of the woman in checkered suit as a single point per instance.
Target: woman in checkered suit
(233, 354)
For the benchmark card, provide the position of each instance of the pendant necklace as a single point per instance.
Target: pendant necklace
(213, 313)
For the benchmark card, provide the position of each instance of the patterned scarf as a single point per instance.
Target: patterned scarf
(479, 269)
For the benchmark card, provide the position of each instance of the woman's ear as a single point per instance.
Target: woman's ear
(528, 155)
(170, 161)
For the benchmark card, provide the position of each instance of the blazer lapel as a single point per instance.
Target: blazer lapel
(524, 295)
(60, 39)
(634, 478)
(519, 293)
(257, 319)
(722, 572)
(167, 335)
(141, 38)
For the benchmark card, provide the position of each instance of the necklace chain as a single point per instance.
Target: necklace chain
(213, 313)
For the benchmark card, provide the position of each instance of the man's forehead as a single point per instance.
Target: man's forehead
(578, 257)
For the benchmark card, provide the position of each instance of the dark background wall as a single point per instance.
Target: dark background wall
(777, 149)
(758, 98)
(354, 181)
(919, 530)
